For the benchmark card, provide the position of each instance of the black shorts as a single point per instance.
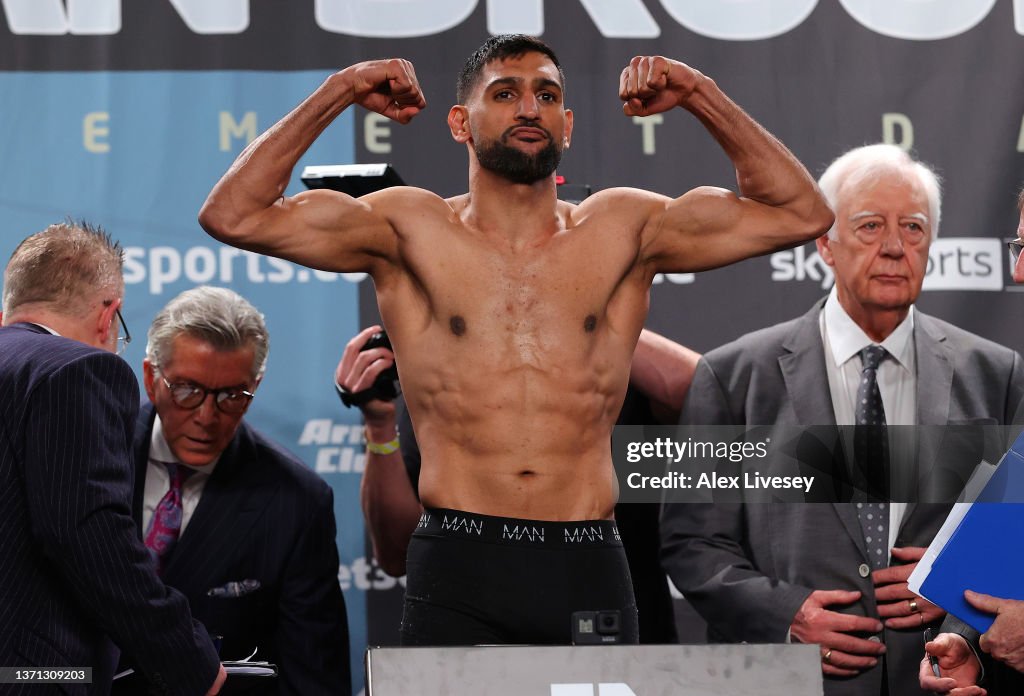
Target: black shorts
(475, 579)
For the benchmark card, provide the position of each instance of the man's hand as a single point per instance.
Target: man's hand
(1005, 639)
(896, 603)
(842, 654)
(218, 682)
(958, 664)
(388, 87)
(653, 84)
(358, 369)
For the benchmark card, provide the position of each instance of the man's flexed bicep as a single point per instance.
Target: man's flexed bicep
(323, 229)
(778, 204)
(710, 227)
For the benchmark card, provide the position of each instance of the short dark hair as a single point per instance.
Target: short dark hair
(498, 48)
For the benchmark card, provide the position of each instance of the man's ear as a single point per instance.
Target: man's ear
(824, 245)
(458, 123)
(149, 379)
(568, 128)
(105, 323)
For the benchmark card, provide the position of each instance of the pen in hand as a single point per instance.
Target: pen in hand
(929, 636)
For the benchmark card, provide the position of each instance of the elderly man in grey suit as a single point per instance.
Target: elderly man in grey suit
(835, 574)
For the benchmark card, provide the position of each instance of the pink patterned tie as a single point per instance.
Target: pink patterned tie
(166, 524)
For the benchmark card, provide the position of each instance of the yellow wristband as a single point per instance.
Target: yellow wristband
(382, 447)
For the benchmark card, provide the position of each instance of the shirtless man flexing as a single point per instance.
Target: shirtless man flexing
(514, 315)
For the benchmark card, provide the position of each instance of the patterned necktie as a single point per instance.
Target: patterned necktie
(166, 524)
(871, 450)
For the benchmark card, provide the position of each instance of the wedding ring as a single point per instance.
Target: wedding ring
(827, 657)
(913, 606)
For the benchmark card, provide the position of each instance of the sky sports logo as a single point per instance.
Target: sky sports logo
(954, 263)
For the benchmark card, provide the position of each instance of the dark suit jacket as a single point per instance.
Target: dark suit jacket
(748, 568)
(263, 516)
(72, 569)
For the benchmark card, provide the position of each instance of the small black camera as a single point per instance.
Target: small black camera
(385, 387)
(596, 627)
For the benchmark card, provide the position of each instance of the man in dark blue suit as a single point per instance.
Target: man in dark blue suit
(74, 576)
(995, 658)
(255, 545)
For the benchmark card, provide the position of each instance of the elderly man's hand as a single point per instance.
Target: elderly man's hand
(842, 653)
(1005, 639)
(900, 607)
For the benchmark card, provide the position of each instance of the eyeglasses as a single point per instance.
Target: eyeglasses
(125, 338)
(1015, 246)
(230, 400)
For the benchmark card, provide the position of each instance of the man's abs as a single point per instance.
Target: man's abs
(546, 456)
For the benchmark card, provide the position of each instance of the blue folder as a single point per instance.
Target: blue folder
(986, 551)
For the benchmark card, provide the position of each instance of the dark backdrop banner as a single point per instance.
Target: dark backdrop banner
(127, 113)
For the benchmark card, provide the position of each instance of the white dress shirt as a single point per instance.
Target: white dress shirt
(43, 326)
(897, 379)
(158, 481)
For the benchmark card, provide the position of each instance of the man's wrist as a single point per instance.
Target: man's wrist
(381, 433)
(342, 88)
(374, 446)
(702, 95)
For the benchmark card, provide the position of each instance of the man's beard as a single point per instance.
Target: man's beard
(515, 165)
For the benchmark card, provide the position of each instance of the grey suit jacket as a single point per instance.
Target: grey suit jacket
(748, 568)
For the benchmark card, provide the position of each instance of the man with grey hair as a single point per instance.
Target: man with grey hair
(75, 576)
(242, 527)
(836, 574)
